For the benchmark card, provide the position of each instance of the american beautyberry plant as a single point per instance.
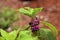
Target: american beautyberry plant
(31, 13)
(42, 33)
(36, 33)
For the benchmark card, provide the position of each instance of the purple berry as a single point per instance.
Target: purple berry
(34, 24)
(31, 24)
(34, 28)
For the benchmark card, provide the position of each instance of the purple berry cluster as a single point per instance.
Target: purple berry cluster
(34, 24)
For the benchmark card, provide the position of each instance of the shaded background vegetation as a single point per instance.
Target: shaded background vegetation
(50, 13)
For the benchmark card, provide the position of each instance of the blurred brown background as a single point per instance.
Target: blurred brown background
(50, 13)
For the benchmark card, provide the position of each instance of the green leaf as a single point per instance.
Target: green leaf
(9, 36)
(27, 11)
(12, 35)
(4, 34)
(35, 38)
(25, 35)
(46, 34)
(30, 11)
(52, 27)
(22, 10)
(36, 10)
(1, 38)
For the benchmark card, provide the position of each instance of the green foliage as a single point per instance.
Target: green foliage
(1, 38)
(43, 34)
(46, 34)
(30, 11)
(8, 36)
(53, 29)
(26, 35)
(7, 16)
(23, 35)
